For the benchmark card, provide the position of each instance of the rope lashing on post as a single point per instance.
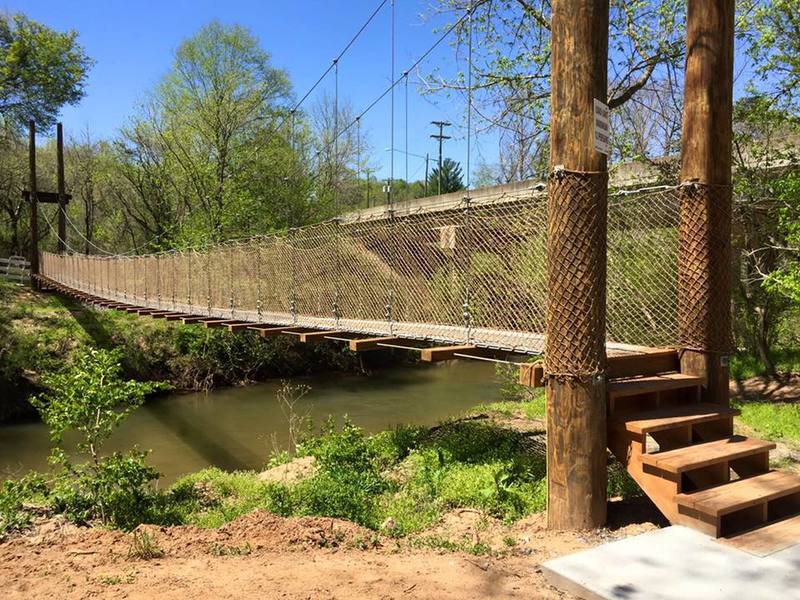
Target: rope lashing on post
(701, 326)
(575, 349)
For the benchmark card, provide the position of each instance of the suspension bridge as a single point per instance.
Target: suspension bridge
(454, 270)
(625, 293)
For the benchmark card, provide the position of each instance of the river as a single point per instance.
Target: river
(237, 428)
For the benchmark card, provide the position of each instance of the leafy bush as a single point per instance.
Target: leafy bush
(90, 399)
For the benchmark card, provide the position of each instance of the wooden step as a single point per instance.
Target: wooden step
(704, 455)
(649, 363)
(673, 417)
(655, 383)
(768, 539)
(741, 494)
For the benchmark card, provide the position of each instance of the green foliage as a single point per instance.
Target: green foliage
(143, 546)
(202, 154)
(511, 42)
(14, 495)
(773, 420)
(90, 399)
(770, 28)
(41, 333)
(767, 230)
(452, 178)
(41, 70)
(115, 490)
(410, 474)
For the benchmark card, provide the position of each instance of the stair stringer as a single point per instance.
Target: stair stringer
(661, 488)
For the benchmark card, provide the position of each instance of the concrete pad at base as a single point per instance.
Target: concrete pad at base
(676, 563)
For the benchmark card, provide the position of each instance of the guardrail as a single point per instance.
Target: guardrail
(16, 269)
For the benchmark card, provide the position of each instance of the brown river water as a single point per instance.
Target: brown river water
(237, 428)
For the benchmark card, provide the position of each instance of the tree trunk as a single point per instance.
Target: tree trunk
(576, 228)
(704, 255)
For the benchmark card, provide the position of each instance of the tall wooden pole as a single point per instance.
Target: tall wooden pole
(62, 204)
(34, 257)
(577, 229)
(704, 260)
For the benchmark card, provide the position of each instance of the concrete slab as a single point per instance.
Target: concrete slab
(676, 563)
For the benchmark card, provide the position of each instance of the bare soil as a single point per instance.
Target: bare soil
(261, 555)
(784, 388)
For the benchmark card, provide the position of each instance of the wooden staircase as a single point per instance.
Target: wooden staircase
(683, 453)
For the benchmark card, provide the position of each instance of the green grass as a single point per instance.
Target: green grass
(773, 420)
(409, 475)
(533, 409)
(745, 365)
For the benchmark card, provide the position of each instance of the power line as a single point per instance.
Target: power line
(413, 66)
(325, 73)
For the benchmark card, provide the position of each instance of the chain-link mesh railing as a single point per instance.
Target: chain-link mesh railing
(455, 270)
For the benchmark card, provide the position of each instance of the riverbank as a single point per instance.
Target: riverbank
(455, 510)
(40, 333)
(449, 511)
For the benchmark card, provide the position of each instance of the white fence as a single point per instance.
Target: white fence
(15, 268)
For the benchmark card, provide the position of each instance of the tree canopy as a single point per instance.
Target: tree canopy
(41, 70)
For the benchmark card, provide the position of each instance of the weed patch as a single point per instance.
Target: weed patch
(773, 420)
(143, 546)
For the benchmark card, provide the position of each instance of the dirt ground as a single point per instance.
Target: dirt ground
(261, 555)
(785, 388)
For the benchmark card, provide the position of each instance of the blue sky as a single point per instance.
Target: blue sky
(132, 43)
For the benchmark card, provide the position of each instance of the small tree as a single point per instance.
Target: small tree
(90, 399)
(452, 178)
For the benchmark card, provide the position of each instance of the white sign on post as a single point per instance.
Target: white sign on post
(602, 128)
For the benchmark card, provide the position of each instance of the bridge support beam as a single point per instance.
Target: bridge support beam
(576, 253)
(34, 205)
(704, 255)
(62, 190)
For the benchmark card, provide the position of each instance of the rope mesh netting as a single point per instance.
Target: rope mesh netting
(450, 270)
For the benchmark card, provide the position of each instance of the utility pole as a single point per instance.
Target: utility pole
(441, 125)
(704, 248)
(34, 203)
(62, 201)
(427, 159)
(575, 359)
(388, 189)
(367, 171)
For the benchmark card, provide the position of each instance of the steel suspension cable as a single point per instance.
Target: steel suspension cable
(338, 57)
(337, 208)
(390, 311)
(405, 77)
(467, 198)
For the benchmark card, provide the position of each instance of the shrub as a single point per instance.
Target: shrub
(13, 497)
(91, 399)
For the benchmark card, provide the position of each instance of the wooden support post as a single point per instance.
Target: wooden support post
(370, 343)
(576, 392)
(62, 192)
(311, 337)
(33, 204)
(269, 331)
(531, 375)
(440, 353)
(704, 257)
